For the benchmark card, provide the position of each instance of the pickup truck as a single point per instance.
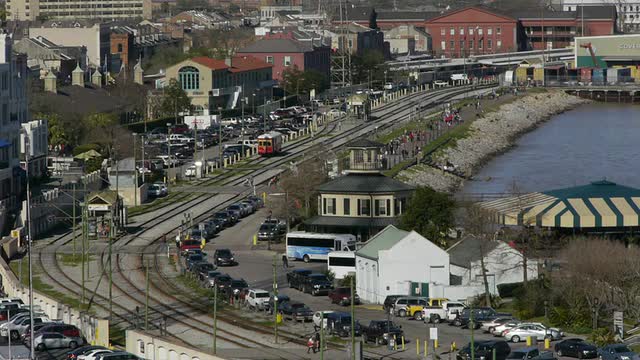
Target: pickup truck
(256, 299)
(381, 332)
(447, 311)
(316, 284)
(295, 278)
(530, 353)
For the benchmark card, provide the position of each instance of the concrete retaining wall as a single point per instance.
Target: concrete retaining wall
(96, 330)
(153, 347)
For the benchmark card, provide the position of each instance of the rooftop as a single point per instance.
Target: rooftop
(238, 63)
(277, 46)
(369, 183)
(468, 250)
(384, 240)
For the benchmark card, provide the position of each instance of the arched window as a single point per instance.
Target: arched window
(189, 77)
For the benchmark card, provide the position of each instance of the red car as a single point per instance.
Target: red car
(342, 296)
(179, 129)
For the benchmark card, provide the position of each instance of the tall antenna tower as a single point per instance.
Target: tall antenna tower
(341, 58)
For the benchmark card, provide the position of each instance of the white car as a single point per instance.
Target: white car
(488, 326)
(388, 86)
(537, 330)
(336, 112)
(94, 354)
(439, 83)
(20, 325)
(321, 314)
(500, 329)
(257, 298)
(190, 171)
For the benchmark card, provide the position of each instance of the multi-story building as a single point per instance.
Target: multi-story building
(386, 19)
(212, 83)
(473, 30)
(286, 52)
(44, 54)
(32, 10)
(37, 147)
(128, 44)
(94, 35)
(628, 11)
(362, 202)
(357, 38)
(153, 8)
(408, 39)
(13, 112)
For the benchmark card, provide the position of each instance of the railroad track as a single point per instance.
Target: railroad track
(396, 112)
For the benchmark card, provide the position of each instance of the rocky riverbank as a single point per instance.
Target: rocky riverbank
(489, 135)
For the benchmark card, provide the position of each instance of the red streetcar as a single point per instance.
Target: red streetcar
(269, 143)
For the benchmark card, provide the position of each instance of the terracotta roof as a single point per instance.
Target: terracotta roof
(213, 64)
(248, 63)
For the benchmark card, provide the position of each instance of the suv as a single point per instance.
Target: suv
(295, 278)
(408, 305)
(257, 299)
(202, 269)
(342, 296)
(268, 232)
(387, 305)
(224, 257)
(483, 349)
(316, 284)
(479, 315)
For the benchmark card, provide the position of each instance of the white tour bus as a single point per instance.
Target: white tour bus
(341, 263)
(309, 246)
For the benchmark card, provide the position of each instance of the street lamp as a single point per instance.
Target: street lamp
(254, 103)
(135, 171)
(169, 160)
(220, 136)
(595, 308)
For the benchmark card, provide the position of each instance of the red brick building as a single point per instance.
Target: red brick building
(286, 52)
(561, 27)
(386, 19)
(473, 30)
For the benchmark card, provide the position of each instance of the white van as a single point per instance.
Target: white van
(457, 77)
(179, 138)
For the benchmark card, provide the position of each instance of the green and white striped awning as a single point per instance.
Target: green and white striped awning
(601, 204)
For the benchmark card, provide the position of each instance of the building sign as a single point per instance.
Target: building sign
(98, 207)
(618, 325)
(616, 49)
(629, 46)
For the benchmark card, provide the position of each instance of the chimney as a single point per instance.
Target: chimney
(96, 79)
(77, 76)
(50, 83)
(138, 74)
(227, 61)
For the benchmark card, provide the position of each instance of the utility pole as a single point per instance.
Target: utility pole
(135, 171)
(111, 230)
(275, 300)
(322, 336)
(84, 237)
(29, 242)
(242, 118)
(143, 165)
(73, 216)
(215, 318)
(353, 321)
(146, 298)
(471, 326)
(220, 137)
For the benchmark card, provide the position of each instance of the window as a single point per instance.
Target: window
(479, 31)
(498, 30)
(189, 77)
(452, 31)
(342, 261)
(490, 31)
(364, 207)
(119, 48)
(470, 30)
(442, 31)
(489, 43)
(452, 45)
(443, 45)
(461, 44)
(346, 206)
(287, 61)
(399, 205)
(269, 59)
(480, 44)
(499, 44)
(471, 44)
(330, 206)
(461, 31)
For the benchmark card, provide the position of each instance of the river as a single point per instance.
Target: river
(590, 143)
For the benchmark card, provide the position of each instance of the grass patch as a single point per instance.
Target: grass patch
(155, 205)
(72, 259)
(44, 287)
(117, 335)
(395, 170)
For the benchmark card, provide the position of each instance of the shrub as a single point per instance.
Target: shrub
(602, 337)
(509, 290)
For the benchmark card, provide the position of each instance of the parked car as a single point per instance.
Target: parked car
(119, 355)
(483, 349)
(224, 257)
(339, 323)
(193, 260)
(296, 311)
(268, 232)
(296, 277)
(223, 281)
(190, 171)
(381, 332)
(209, 281)
(241, 210)
(616, 352)
(490, 325)
(439, 310)
(500, 329)
(154, 190)
(225, 217)
(387, 305)
(480, 315)
(316, 284)
(577, 348)
(54, 340)
(236, 286)
(94, 354)
(409, 305)
(202, 269)
(73, 354)
(318, 315)
(342, 296)
(536, 330)
(257, 299)
(280, 300)
(256, 199)
(18, 327)
(530, 353)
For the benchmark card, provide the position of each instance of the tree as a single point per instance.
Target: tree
(373, 20)
(429, 213)
(174, 100)
(479, 225)
(368, 67)
(295, 81)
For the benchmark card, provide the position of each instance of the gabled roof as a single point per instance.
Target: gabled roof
(277, 46)
(213, 64)
(483, 9)
(107, 196)
(467, 250)
(355, 183)
(384, 240)
(247, 63)
(597, 12)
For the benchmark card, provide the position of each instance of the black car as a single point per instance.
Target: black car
(202, 269)
(296, 311)
(577, 348)
(235, 213)
(479, 315)
(224, 257)
(281, 300)
(381, 332)
(223, 281)
(236, 287)
(483, 349)
(317, 284)
(296, 277)
(209, 280)
(193, 260)
(225, 217)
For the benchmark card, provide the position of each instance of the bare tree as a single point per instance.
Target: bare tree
(480, 226)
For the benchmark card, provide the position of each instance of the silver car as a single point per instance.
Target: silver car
(56, 340)
(534, 330)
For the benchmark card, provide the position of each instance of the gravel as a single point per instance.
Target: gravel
(492, 134)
